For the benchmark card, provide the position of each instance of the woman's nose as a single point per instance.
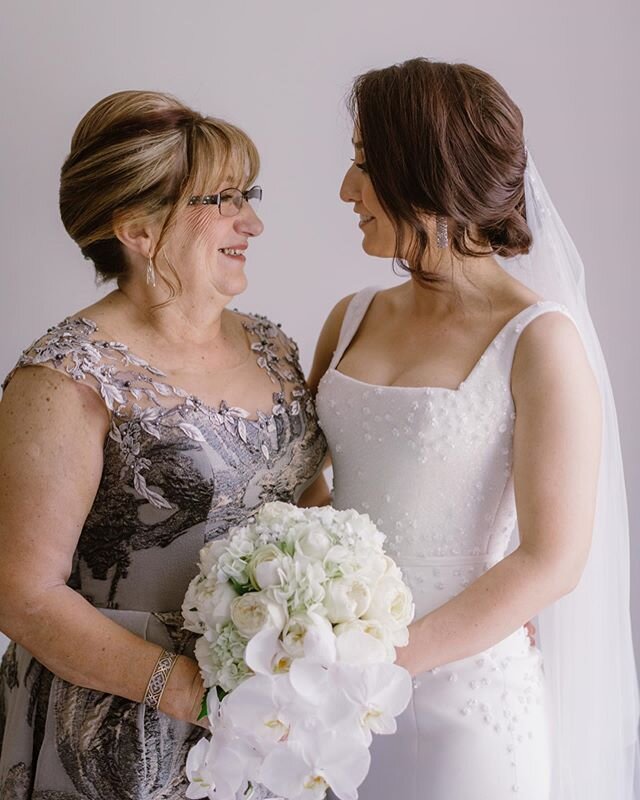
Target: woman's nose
(349, 190)
(248, 222)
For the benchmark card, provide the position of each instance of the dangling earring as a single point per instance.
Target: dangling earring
(442, 232)
(151, 273)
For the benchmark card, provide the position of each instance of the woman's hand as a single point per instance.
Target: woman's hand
(182, 697)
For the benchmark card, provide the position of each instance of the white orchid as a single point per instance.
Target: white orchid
(199, 771)
(370, 627)
(382, 692)
(263, 710)
(299, 612)
(221, 767)
(296, 630)
(305, 767)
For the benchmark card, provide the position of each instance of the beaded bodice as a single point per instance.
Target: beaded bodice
(431, 466)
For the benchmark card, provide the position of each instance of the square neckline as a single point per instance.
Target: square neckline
(454, 390)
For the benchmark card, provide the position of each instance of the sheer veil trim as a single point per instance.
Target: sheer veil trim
(585, 637)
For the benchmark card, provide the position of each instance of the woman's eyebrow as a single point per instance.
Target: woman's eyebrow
(357, 145)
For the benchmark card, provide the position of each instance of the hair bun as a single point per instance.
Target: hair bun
(511, 236)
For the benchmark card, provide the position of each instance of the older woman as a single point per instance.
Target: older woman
(131, 433)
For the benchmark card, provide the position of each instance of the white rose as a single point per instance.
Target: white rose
(313, 543)
(279, 513)
(190, 607)
(346, 598)
(214, 600)
(296, 629)
(252, 611)
(209, 556)
(372, 566)
(391, 603)
(206, 662)
(263, 566)
(340, 560)
(370, 627)
(391, 568)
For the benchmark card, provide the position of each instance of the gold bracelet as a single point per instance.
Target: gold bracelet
(159, 677)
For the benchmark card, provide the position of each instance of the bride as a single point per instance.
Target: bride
(468, 412)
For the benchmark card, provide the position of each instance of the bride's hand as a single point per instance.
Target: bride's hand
(407, 657)
(531, 630)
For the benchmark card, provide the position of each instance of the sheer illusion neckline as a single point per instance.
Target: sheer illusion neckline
(256, 417)
(503, 330)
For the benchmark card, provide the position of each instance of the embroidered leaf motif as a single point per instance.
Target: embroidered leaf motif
(191, 431)
(242, 430)
(162, 388)
(115, 434)
(111, 395)
(151, 429)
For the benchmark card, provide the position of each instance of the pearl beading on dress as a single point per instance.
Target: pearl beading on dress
(433, 469)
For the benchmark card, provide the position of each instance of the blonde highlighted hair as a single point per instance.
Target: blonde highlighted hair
(141, 155)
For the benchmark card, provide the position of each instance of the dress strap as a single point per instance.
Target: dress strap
(499, 355)
(514, 329)
(353, 317)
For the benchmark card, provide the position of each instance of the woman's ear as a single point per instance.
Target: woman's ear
(137, 235)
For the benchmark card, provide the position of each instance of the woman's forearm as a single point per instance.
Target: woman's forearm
(490, 609)
(84, 647)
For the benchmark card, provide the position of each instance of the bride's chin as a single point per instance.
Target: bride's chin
(373, 249)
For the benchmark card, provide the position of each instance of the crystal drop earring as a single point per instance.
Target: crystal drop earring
(151, 273)
(442, 232)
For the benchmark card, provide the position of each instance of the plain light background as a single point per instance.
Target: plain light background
(281, 70)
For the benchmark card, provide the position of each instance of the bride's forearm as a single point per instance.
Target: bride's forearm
(492, 607)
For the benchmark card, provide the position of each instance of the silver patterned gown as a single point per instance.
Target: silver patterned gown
(177, 473)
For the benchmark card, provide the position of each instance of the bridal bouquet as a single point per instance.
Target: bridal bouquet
(300, 612)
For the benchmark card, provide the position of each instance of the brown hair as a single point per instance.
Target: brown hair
(141, 155)
(447, 140)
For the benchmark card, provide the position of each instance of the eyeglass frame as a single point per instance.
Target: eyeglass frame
(214, 199)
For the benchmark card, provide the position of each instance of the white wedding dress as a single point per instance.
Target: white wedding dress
(433, 468)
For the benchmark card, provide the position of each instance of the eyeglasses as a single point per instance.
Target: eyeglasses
(229, 201)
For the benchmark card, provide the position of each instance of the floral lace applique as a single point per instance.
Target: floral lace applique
(125, 382)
